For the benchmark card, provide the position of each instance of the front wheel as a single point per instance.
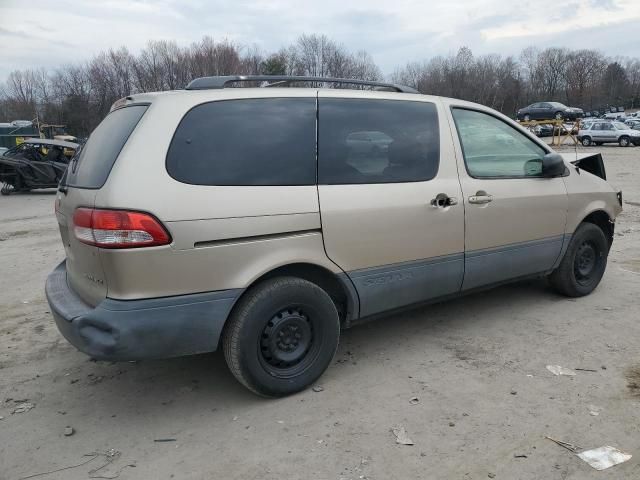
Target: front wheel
(558, 116)
(281, 336)
(584, 262)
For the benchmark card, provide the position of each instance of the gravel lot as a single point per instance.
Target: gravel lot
(477, 366)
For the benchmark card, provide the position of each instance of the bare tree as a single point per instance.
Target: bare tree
(81, 94)
(552, 65)
(583, 73)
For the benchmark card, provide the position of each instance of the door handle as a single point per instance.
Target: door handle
(443, 200)
(480, 198)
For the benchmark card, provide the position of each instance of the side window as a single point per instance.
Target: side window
(377, 141)
(494, 149)
(266, 141)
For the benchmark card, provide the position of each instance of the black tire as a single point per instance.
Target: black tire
(558, 116)
(526, 118)
(14, 186)
(281, 336)
(586, 141)
(624, 141)
(584, 262)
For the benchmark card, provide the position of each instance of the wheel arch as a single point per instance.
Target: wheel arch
(337, 285)
(601, 219)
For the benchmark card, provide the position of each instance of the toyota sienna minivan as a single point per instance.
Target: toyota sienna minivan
(259, 220)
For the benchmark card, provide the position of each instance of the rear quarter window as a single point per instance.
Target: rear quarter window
(247, 142)
(93, 164)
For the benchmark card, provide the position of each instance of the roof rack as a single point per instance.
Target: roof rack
(206, 83)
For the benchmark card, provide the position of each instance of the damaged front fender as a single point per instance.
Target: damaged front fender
(589, 162)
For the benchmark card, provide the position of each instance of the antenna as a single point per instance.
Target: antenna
(575, 142)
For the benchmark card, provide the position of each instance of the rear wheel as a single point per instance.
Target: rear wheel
(624, 141)
(281, 336)
(586, 141)
(584, 262)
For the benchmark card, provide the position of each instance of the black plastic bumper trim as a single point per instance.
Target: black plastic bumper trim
(139, 329)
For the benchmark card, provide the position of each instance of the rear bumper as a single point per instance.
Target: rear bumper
(139, 329)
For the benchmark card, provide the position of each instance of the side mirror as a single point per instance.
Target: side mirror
(553, 165)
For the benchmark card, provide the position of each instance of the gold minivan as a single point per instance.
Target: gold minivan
(265, 219)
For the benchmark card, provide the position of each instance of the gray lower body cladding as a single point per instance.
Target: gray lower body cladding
(390, 287)
(494, 265)
(394, 286)
(139, 329)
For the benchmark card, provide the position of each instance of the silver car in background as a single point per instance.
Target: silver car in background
(608, 132)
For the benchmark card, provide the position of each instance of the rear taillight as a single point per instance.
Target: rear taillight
(118, 228)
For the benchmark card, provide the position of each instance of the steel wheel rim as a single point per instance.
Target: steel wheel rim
(288, 343)
(586, 262)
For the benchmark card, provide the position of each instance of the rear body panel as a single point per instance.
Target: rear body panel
(84, 267)
(223, 236)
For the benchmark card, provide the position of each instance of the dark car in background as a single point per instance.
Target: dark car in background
(549, 111)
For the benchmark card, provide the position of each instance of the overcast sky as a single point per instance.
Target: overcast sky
(46, 33)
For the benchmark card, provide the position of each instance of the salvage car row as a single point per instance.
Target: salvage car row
(559, 111)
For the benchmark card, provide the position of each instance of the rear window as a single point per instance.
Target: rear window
(267, 141)
(94, 162)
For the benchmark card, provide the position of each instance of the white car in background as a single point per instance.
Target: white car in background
(608, 132)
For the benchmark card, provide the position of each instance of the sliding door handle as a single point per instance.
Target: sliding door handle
(480, 198)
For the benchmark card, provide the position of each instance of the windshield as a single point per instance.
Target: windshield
(620, 126)
(558, 105)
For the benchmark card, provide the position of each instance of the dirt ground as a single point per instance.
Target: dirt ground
(476, 365)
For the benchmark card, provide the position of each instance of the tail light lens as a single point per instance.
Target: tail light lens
(118, 228)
